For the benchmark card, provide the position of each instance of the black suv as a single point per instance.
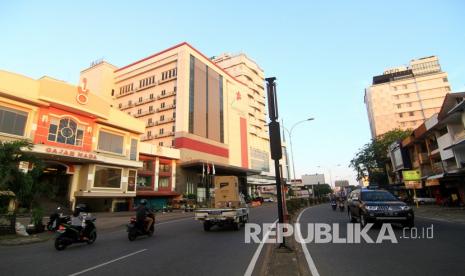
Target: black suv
(378, 206)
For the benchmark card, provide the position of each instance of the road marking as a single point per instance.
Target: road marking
(106, 263)
(174, 220)
(308, 257)
(254, 259)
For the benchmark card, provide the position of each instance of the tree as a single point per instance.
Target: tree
(371, 160)
(322, 189)
(24, 184)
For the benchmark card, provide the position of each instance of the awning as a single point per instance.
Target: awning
(220, 169)
(437, 176)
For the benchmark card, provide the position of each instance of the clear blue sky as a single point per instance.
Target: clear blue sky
(323, 53)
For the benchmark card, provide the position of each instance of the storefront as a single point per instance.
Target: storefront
(89, 150)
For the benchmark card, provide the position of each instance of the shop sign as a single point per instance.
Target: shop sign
(413, 184)
(82, 92)
(432, 182)
(411, 175)
(71, 153)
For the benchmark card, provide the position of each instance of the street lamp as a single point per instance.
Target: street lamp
(289, 132)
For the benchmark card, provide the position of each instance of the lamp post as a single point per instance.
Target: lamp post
(289, 133)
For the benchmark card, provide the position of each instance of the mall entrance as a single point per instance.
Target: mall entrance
(56, 180)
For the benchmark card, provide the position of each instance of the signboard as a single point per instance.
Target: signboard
(413, 184)
(411, 175)
(432, 182)
(71, 153)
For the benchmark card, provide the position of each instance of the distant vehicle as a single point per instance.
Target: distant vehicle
(268, 199)
(424, 200)
(134, 228)
(378, 206)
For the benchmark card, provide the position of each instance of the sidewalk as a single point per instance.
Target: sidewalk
(105, 222)
(434, 212)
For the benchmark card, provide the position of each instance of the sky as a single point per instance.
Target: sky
(323, 53)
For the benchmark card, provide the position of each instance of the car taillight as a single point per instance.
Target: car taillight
(61, 229)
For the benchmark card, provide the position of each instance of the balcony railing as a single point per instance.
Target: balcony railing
(170, 106)
(126, 106)
(167, 79)
(144, 113)
(164, 134)
(145, 101)
(147, 138)
(146, 87)
(166, 95)
(125, 94)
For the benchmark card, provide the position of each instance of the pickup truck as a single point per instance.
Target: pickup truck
(229, 206)
(222, 217)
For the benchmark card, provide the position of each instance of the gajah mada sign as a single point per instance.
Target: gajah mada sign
(71, 153)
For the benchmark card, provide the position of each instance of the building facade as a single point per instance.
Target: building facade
(90, 151)
(187, 102)
(436, 149)
(404, 97)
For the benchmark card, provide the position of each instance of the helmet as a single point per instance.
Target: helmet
(143, 201)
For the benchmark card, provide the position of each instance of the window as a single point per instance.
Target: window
(132, 181)
(65, 131)
(160, 144)
(149, 121)
(112, 92)
(444, 79)
(149, 133)
(139, 111)
(402, 124)
(106, 177)
(120, 105)
(174, 114)
(12, 121)
(395, 88)
(133, 154)
(172, 143)
(163, 92)
(150, 108)
(147, 165)
(399, 106)
(405, 86)
(162, 105)
(144, 182)
(164, 167)
(110, 142)
(140, 99)
(161, 131)
(173, 129)
(407, 95)
(175, 89)
(409, 104)
(401, 115)
(411, 113)
(163, 182)
(396, 97)
(151, 96)
(162, 117)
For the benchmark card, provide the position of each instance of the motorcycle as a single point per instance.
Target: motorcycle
(69, 234)
(135, 228)
(56, 219)
(341, 206)
(333, 205)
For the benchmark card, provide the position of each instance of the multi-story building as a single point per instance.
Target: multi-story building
(188, 102)
(90, 151)
(248, 72)
(404, 97)
(436, 149)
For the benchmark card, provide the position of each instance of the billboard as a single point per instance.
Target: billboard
(411, 175)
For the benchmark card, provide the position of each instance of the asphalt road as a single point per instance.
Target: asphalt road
(179, 247)
(443, 254)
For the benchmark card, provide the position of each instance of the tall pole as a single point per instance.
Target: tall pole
(275, 148)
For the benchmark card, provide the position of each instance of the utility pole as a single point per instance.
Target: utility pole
(275, 148)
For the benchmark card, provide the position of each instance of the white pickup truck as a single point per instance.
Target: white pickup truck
(222, 217)
(229, 205)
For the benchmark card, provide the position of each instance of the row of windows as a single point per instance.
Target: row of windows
(169, 74)
(161, 131)
(147, 81)
(141, 99)
(126, 88)
(411, 114)
(406, 104)
(161, 144)
(162, 105)
(162, 118)
(412, 123)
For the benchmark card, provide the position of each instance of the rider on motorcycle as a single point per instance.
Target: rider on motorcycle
(142, 215)
(77, 221)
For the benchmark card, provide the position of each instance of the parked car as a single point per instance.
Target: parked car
(378, 206)
(268, 199)
(424, 200)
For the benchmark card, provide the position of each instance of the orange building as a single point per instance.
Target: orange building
(90, 150)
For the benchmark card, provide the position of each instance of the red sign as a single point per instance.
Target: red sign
(71, 153)
(81, 96)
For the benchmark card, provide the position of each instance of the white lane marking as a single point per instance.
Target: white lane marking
(308, 257)
(254, 259)
(106, 263)
(173, 220)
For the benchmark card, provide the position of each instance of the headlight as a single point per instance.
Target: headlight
(405, 208)
(371, 208)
